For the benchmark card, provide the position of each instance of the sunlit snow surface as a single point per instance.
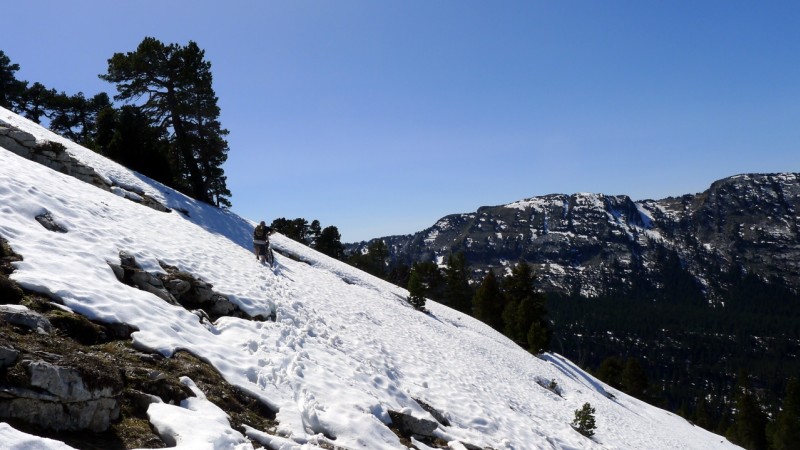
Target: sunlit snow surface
(345, 348)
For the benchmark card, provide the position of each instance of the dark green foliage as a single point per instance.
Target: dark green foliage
(628, 376)
(691, 352)
(524, 313)
(634, 378)
(374, 261)
(35, 102)
(296, 229)
(75, 117)
(175, 83)
(702, 416)
(11, 89)
(489, 302)
(584, 422)
(785, 432)
(416, 291)
(610, 371)
(329, 241)
(399, 274)
(539, 335)
(314, 232)
(127, 137)
(750, 422)
(431, 278)
(457, 292)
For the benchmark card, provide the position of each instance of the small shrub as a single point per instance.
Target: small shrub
(584, 420)
(51, 146)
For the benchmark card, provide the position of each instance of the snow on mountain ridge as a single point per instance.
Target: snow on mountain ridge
(345, 347)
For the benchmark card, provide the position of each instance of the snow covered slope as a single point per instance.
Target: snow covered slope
(345, 347)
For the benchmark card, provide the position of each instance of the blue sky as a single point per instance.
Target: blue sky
(380, 117)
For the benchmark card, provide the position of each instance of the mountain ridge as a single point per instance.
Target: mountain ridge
(579, 242)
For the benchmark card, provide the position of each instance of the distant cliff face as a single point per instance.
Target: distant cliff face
(590, 244)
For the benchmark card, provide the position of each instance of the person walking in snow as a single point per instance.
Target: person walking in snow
(261, 241)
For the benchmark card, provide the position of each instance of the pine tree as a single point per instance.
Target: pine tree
(314, 231)
(11, 89)
(749, 422)
(127, 137)
(610, 371)
(702, 416)
(524, 314)
(329, 242)
(416, 291)
(175, 82)
(538, 336)
(457, 293)
(35, 102)
(785, 432)
(377, 254)
(584, 422)
(75, 117)
(633, 378)
(489, 302)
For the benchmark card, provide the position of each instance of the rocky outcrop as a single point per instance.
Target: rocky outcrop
(54, 155)
(61, 372)
(20, 315)
(179, 288)
(50, 154)
(62, 397)
(53, 392)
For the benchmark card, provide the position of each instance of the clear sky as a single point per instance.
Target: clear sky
(380, 117)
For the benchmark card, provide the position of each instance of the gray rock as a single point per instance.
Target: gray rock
(59, 398)
(151, 283)
(66, 383)
(412, 426)
(47, 221)
(178, 287)
(8, 356)
(22, 316)
(221, 306)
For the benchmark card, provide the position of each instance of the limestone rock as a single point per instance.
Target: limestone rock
(22, 316)
(62, 398)
(47, 221)
(409, 425)
(8, 356)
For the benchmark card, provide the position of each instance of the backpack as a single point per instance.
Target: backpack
(261, 233)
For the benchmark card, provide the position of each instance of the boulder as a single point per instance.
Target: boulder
(8, 356)
(24, 317)
(47, 221)
(411, 426)
(63, 398)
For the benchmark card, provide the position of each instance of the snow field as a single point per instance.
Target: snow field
(345, 347)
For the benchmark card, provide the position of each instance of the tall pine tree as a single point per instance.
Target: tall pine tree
(457, 293)
(329, 241)
(524, 314)
(174, 83)
(785, 432)
(416, 291)
(11, 89)
(750, 422)
(489, 302)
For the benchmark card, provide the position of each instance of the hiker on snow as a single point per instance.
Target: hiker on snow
(261, 241)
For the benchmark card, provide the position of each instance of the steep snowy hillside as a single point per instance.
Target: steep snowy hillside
(344, 352)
